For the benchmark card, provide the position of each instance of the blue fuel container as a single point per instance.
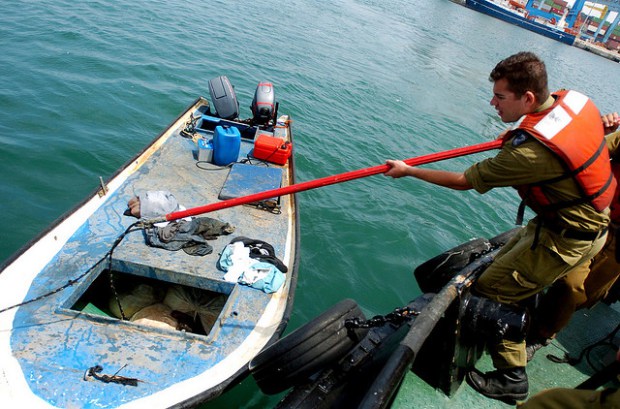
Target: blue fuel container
(226, 145)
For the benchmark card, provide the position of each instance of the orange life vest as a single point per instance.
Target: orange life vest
(573, 130)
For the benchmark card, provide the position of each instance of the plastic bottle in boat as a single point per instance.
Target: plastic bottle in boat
(226, 145)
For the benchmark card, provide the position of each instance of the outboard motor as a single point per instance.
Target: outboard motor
(224, 98)
(263, 104)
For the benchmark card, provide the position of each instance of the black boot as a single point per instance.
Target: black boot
(508, 385)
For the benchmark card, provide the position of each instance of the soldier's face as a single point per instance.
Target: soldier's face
(509, 107)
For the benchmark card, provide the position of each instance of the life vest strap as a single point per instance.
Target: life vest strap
(576, 171)
(581, 200)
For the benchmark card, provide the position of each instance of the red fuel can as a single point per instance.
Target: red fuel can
(271, 149)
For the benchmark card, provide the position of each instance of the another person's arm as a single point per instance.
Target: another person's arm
(611, 122)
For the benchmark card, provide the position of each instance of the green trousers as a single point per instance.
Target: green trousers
(518, 272)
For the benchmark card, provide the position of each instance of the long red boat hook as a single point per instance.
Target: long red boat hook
(330, 180)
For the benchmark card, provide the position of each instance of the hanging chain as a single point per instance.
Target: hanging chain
(116, 296)
(139, 225)
(492, 247)
(398, 316)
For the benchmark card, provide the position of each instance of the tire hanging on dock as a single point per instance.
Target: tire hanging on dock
(309, 348)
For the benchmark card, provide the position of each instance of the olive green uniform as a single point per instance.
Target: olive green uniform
(523, 268)
(586, 284)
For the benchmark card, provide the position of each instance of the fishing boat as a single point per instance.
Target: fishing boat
(506, 12)
(418, 354)
(163, 304)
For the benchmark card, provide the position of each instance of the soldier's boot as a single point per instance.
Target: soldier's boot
(508, 385)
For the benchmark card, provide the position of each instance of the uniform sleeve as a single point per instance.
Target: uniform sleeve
(613, 142)
(526, 163)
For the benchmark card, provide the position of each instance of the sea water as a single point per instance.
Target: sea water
(85, 85)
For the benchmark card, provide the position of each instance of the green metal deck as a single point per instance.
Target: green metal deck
(586, 328)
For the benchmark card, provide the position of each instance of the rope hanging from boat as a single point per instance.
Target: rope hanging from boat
(107, 256)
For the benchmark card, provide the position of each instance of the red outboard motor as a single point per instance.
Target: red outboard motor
(263, 104)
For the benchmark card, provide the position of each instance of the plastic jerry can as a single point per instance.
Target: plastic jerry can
(226, 145)
(271, 149)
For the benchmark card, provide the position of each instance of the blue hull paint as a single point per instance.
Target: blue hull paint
(491, 9)
(48, 345)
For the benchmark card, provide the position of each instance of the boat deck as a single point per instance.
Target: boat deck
(200, 185)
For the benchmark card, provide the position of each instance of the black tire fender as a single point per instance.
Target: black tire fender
(435, 273)
(306, 350)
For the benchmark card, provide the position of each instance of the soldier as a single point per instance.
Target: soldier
(544, 156)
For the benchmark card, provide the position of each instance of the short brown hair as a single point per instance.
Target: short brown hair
(524, 72)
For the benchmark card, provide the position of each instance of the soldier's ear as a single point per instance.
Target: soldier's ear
(530, 100)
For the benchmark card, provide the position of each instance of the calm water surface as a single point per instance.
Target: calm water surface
(85, 85)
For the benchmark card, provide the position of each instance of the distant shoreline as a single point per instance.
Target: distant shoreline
(579, 43)
(593, 48)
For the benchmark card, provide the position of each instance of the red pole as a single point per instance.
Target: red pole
(330, 180)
